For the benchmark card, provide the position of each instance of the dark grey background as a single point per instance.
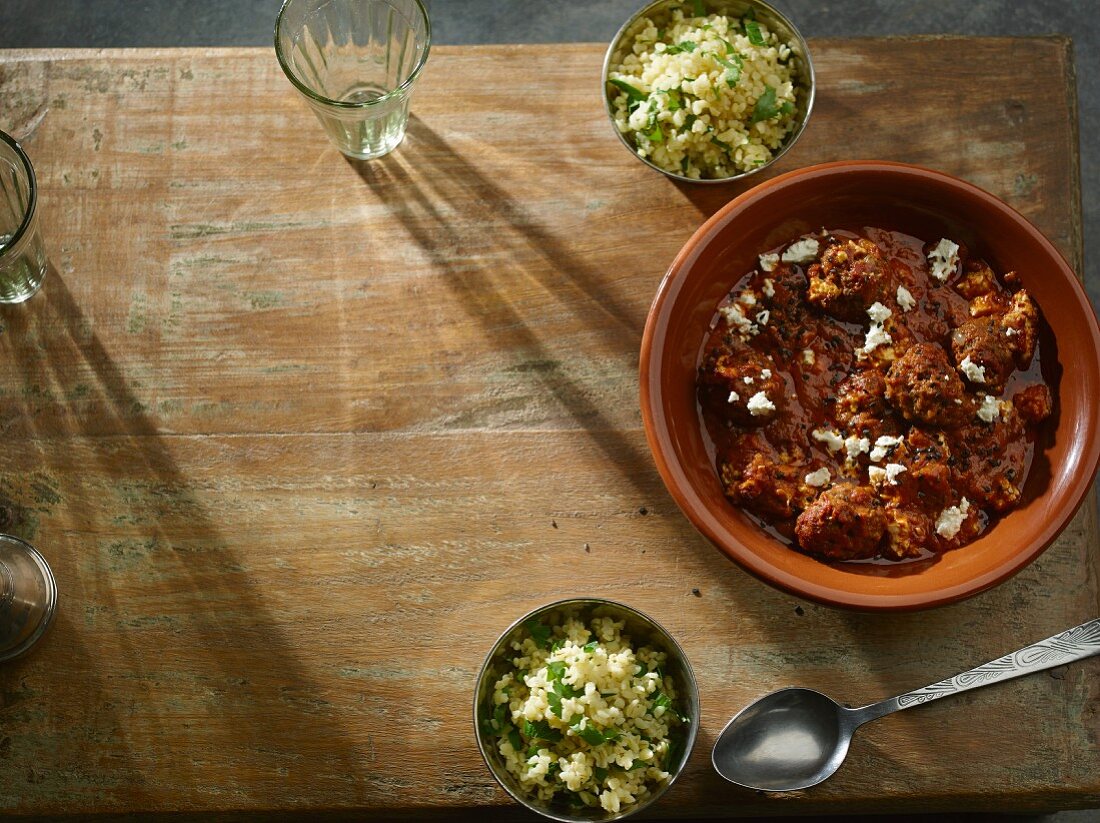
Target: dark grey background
(110, 23)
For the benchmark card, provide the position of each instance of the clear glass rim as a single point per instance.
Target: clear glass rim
(32, 194)
(344, 104)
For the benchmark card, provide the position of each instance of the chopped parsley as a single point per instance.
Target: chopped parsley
(767, 107)
(752, 29)
(599, 773)
(637, 764)
(660, 699)
(590, 647)
(683, 46)
(700, 9)
(541, 730)
(593, 736)
(733, 68)
(539, 633)
(634, 95)
(654, 135)
(515, 739)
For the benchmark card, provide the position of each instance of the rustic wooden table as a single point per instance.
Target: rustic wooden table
(301, 436)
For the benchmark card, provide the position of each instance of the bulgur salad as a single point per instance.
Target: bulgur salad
(581, 716)
(704, 96)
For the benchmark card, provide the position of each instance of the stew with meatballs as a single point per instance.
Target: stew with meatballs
(872, 396)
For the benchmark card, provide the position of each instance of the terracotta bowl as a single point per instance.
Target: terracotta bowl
(926, 204)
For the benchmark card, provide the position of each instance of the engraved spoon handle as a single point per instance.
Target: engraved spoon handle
(1073, 644)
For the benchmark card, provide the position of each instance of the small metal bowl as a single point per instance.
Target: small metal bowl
(642, 631)
(773, 19)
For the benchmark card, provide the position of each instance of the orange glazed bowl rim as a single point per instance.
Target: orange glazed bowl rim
(902, 194)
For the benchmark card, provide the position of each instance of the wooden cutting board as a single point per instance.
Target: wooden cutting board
(301, 436)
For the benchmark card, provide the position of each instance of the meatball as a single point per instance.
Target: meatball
(908, 531)
(1034, 403)
(845, 522)
(732, 375)
(861, 403)
(985, 341)
(990, 460)
(851, 276)
(928, 470)
(922, 386)
(770, 489)
(978, 279)
(1021, 323)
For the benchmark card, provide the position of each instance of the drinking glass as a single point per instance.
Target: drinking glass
(22, 258)
(355, 63)
(28, 596)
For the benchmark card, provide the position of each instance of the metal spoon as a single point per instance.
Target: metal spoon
(795, 738)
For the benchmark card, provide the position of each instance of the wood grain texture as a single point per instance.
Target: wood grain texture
(301, 436)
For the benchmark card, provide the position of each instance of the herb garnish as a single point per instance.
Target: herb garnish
(635, 96)
(539, 633)
(700, 9)
(541, 730)
(766, 107)
(593, 736)
(733, 68)
(687, 46)
(752, 29)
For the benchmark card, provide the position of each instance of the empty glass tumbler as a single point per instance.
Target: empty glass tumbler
(355, 62)
(22, 258)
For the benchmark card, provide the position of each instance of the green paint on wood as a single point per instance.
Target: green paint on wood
(265, 299)
(136, 322)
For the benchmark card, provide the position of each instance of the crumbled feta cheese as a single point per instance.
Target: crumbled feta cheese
(892, 472)
(943, 259)
(878, 312)
(748, 380)
(832, 440)
(876, 336)
(802, 251)
(760, 404)
(768, 263)
(1009, 332)
(883, 446)
(951, 519)
(747, 298)
(734, 397)
(769, 286)
(735, 317)
(818, 478)
(879, 475)
(974, 373)
(855, 446)
(765, 373)
(808, 357)
(762, 317)
(990, 409)
(905, 299)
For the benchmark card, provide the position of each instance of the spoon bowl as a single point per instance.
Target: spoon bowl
(795, 738)
(790, 739)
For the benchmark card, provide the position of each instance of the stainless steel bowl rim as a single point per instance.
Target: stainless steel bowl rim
(792, 138)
